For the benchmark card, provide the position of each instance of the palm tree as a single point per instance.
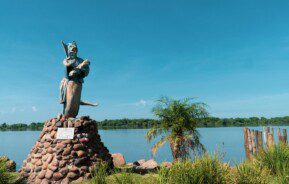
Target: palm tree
(177, 124)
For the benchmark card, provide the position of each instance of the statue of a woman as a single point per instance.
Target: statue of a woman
(71, 85)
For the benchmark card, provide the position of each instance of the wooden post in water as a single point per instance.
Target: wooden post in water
(246, 146)
(265, 132)
(253, 138)
(250, 143)
(285, 135)
(259, 141)
(280, 137)
(272, 132)
(270, 141)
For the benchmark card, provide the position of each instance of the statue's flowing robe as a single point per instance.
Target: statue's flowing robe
(71, 85)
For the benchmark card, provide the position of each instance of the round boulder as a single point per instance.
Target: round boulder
(118, 159)
(141, 161)
(150, 164)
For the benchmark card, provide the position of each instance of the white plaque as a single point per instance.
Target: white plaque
(65, 133)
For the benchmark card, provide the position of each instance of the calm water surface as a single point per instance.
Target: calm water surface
(132, 144)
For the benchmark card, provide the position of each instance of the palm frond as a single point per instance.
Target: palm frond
(159, 144)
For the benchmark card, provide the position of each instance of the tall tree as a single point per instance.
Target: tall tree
(178, 122)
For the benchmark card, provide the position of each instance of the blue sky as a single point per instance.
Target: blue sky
(233, 55)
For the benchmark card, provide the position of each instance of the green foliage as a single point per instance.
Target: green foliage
(203, 170)
(7, 177)
(163, 175)
(249, 173)
(177, 125)
(21, 127)
(124, 178)
(241, 122)
(99, 173)
(276, 159)
(270, 167)
(210, 169)
(4, 175)
(131, 178)
(126, 123)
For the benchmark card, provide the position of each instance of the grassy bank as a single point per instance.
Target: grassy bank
(272, 167)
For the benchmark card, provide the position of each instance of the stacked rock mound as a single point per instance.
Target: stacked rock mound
(53, 160)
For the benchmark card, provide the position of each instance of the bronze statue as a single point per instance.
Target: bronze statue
(71, 85)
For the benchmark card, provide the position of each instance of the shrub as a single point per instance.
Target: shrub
(99, 173)
(7, 177)
(206, 169)
(276, 159)
(163, 175)
(210, 169)
(249, 173)
(124, 178)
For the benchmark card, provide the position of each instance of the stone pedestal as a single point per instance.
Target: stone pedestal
(62, 161)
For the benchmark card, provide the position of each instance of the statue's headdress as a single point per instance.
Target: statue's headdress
(69, 49)
(72, 46)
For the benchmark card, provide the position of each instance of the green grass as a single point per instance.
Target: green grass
(249, 173)
(205, 169)
(270, 167)
(276, 159)
(7, 177)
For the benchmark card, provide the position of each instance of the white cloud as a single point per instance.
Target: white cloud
(34, 109)
(141, 103)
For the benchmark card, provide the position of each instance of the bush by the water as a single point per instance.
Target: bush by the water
(276, 159)
(6, 176)
(206, 169)
(249, 173)
(272, 166)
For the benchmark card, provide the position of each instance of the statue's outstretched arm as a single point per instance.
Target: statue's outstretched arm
(88, 103)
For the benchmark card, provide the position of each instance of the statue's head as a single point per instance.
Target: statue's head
(72, 49)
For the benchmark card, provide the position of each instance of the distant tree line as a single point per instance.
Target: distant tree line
(21, 126)
(148, 123)
(127, 123)
(241, 122)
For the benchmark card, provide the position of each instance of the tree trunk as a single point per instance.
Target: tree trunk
(176, 148)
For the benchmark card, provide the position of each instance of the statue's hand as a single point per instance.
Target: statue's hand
(86, 61)
(73, 73)
(84, 65)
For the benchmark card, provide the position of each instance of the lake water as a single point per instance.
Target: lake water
(132, 144)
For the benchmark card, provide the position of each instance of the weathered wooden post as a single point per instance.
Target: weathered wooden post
(280, 137)
(253, 138)
(259, 141)
(272, 132)
(250, 148)
(246, 144)
(266, 130)
(285, 136)
(270, 141)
